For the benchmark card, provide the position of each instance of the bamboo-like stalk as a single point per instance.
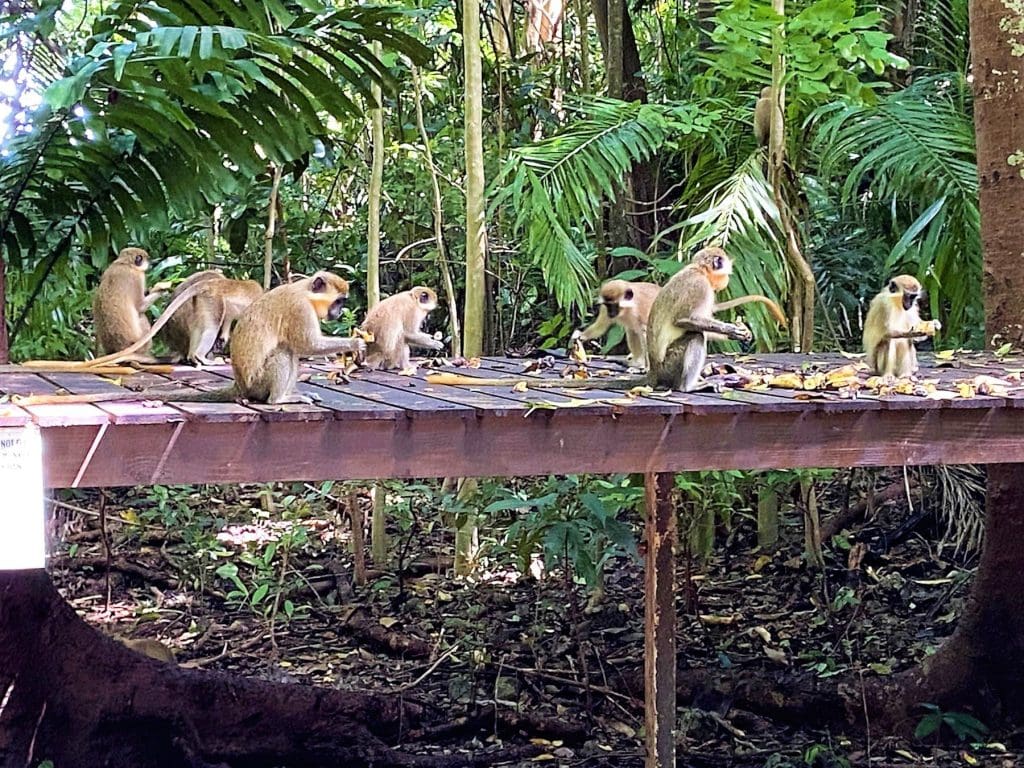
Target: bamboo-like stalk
(374, 193)
(268, 235)
(435, 187)
(476, 230)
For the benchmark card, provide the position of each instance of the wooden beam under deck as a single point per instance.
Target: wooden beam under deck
(545, 442)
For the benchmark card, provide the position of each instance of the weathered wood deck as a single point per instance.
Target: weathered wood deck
(381, 425)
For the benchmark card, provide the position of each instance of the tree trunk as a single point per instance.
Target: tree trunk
(373, 194)
(476, 231)
(621, 56)
(802, 287)
(983, 662)
(77, 697)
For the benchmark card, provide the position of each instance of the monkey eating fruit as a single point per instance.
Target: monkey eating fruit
(892, 325)
(396, 324)
(626, 304)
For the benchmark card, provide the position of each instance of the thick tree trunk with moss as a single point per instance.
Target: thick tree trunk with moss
(982, 664)
(79, 698)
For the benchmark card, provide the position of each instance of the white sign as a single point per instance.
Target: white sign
(22, 527)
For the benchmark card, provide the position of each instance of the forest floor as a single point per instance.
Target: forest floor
(512, 664)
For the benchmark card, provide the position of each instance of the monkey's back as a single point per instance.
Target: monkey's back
(175, 334)
(117, 309)
(388, 336)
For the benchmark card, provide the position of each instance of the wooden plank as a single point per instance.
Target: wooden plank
(659, 621)
(132, 412)
(13, 416)
(660, 402)
(211, 412)
(63, 415)
(233, 452)
(215, 377)
(477, 399)
(415, 404)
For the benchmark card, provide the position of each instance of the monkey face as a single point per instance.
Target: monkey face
(612, 308)
(135, 257)
(425, 298)
(907, 289)
(329, 294)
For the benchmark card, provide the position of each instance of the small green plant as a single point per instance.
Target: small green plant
(572, 520)
(824, 756)
(964, 726)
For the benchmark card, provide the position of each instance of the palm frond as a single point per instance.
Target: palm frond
(740, 214)
(557, 186)
(910, 160)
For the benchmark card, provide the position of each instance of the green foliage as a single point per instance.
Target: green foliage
(556, 186)
(572, 521)
(828, 47)
(964, 726)
(165, 110)
(907, 163)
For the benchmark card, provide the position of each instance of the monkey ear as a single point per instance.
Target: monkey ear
(424, 297)
(628, 294)
(893, 288)
(318, 285)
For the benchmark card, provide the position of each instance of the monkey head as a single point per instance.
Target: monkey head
(134, 257)
(328, 294)
(906, 290)
(425, 298)
(716, 264)
(617, 295)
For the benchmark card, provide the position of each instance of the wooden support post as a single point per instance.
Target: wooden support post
(660, 621)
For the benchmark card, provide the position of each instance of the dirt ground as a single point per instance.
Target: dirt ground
(516, 665)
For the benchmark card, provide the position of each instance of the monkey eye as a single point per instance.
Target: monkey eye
(717, 263)
(893, 288)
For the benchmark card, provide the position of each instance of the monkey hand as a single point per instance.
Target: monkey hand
(739, 333)
(436, 344)
(161, 287)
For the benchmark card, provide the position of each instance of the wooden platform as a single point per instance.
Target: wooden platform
(381, 425)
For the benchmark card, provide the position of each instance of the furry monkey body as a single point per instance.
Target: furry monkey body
(120, 302)
(396, 324)
(197, 327)
(892, 324)
(682, 315)
(281, 326)
(276, 329)
(763, 117)
(626, 304)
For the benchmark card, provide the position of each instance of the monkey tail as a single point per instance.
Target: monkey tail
(128, 352)
(773, 308)
(224, 395)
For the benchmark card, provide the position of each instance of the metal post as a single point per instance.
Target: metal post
(660, 621)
